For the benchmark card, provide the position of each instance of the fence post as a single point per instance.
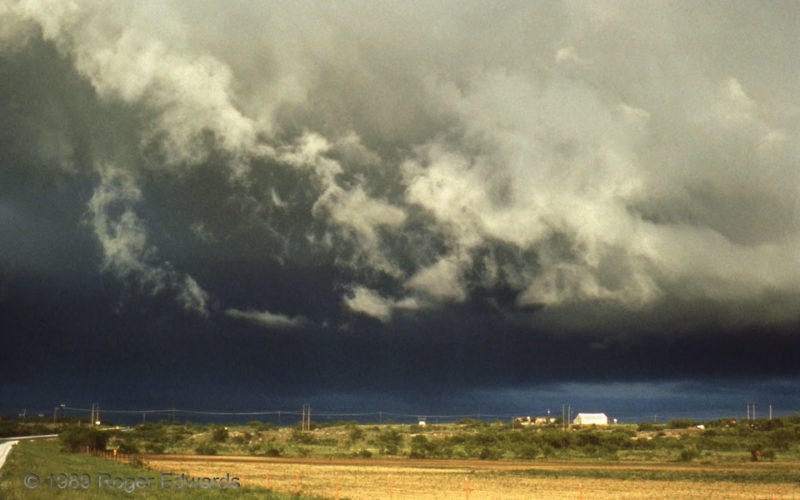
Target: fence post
(466, 487)
(267, 479)
(580, 491)
(297, 482)
(390, 487)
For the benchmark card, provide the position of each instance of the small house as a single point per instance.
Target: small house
(591, 419)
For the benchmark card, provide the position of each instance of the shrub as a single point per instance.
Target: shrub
(274, 451)
(299, 436)
(206, 449)
(364, 453)
(681, 423)
(689, 454)
(128, 447)
(219, 434)
(76, 438)
(154, 448)
(389, 441)
(355, 434)
(420, 447)
(527, 451)
(490, 453)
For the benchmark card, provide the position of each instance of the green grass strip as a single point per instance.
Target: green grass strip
(44, 458)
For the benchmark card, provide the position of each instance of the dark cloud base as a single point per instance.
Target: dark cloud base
(79, 345)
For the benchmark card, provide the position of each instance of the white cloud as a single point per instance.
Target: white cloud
(369, 302)
(123, 239)
(193, 298)
(268, 319)
(366, 301)
(440, 281)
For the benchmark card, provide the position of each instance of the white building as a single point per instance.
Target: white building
(591, 419)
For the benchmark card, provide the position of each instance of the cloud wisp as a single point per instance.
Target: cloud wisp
(269, 320)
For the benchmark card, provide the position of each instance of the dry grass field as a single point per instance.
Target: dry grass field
(484, 480)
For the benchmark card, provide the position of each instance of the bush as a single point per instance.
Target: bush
(421, 447)
(219, 434)
(689, 454)
(490, 453)
(75, 438)
(389, 441)
(681, 423)
(355, 434)
(274, 451)
(154, 448)
(301, 437)
(128, 448)
(527, 451)
(206, 449)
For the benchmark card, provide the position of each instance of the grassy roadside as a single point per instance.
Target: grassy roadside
(44, 457)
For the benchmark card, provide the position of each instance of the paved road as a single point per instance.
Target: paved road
(21, 438)
(7, 443)
(5, 449)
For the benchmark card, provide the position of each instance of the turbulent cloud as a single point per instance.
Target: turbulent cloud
(268, 319)
(582, 156)
(123, 239)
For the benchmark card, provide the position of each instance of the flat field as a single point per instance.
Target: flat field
(399, 478)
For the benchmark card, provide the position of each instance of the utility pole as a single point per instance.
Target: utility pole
(306, 423)
(770, 412)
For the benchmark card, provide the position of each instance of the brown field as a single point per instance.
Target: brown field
(395, 479)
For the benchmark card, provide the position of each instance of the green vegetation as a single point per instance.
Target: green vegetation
(679, 440)
(45, 457)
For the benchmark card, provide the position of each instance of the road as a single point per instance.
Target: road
(7, 443)
(5, 449)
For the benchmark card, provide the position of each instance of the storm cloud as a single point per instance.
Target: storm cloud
(599, 171)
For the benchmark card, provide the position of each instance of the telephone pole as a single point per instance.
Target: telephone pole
(306, 423)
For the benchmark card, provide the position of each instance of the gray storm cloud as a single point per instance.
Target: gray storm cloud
(599, 154)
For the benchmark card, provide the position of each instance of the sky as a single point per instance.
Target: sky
(417, 206)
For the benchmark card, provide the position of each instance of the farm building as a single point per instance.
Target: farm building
(591, 419)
